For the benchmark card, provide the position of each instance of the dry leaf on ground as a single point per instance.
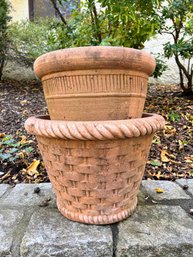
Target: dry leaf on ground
(159, 190)
(32, 168)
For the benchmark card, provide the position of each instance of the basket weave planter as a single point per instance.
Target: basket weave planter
(96, 166)
(95, 83)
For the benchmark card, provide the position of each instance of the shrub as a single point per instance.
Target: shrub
(177, 20)
(123, 23)
(4, 19)
(28, 40)
(160, 66)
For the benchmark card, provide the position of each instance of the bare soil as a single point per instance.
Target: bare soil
(171, 154)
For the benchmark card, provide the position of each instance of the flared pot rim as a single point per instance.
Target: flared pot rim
(94, 58)
(94, 130)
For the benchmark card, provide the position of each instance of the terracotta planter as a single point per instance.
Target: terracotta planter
(95, 83)
(96, 166)
(96, 144)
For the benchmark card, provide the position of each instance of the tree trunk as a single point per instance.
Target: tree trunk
(58, 12)
(188, 90)
(2, 62)
(95, 21)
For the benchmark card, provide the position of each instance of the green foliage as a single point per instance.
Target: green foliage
(108, 22)
(155, 163)
(176, 19)
(123, 23)
(172, 116)
(130, 23)
(28, 40)
(160, 67)
(4, 19)
(11, 149)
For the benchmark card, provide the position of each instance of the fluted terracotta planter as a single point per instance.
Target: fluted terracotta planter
(95, 167)
(95, 83)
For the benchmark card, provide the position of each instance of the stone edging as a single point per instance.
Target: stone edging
(26, 222)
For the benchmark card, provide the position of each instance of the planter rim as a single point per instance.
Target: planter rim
(94, 130)
(92, 58)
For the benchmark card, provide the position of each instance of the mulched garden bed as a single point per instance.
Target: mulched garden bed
(171, 154)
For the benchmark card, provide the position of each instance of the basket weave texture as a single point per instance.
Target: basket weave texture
(95, 181)
(95, 167)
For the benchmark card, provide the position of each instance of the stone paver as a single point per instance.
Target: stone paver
(3, 189)
(188, 182)
(141, 198)
(23, 195)
(156, 231)
(171, 190)
(28, 228)
(50, 234)
(9, 221)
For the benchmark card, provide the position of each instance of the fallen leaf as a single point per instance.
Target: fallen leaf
(23, 140)
(25, 113)
(181, 145)
(159, 190)
(190, 107)
(7, 175)
(169, 131)
(15, 177)
(163, 156)
(189, 159)
(32, 168)
(23, 102)
(156, 140)
(21, 155)
(175, 161)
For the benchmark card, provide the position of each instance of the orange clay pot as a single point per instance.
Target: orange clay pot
(95, 167)
(95, 83)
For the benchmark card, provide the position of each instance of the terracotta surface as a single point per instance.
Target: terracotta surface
(95, 167)
(96, 144)
(95, 83)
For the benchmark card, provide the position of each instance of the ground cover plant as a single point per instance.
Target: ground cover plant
(171, 154)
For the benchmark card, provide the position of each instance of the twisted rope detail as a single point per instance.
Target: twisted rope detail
(94, 130)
